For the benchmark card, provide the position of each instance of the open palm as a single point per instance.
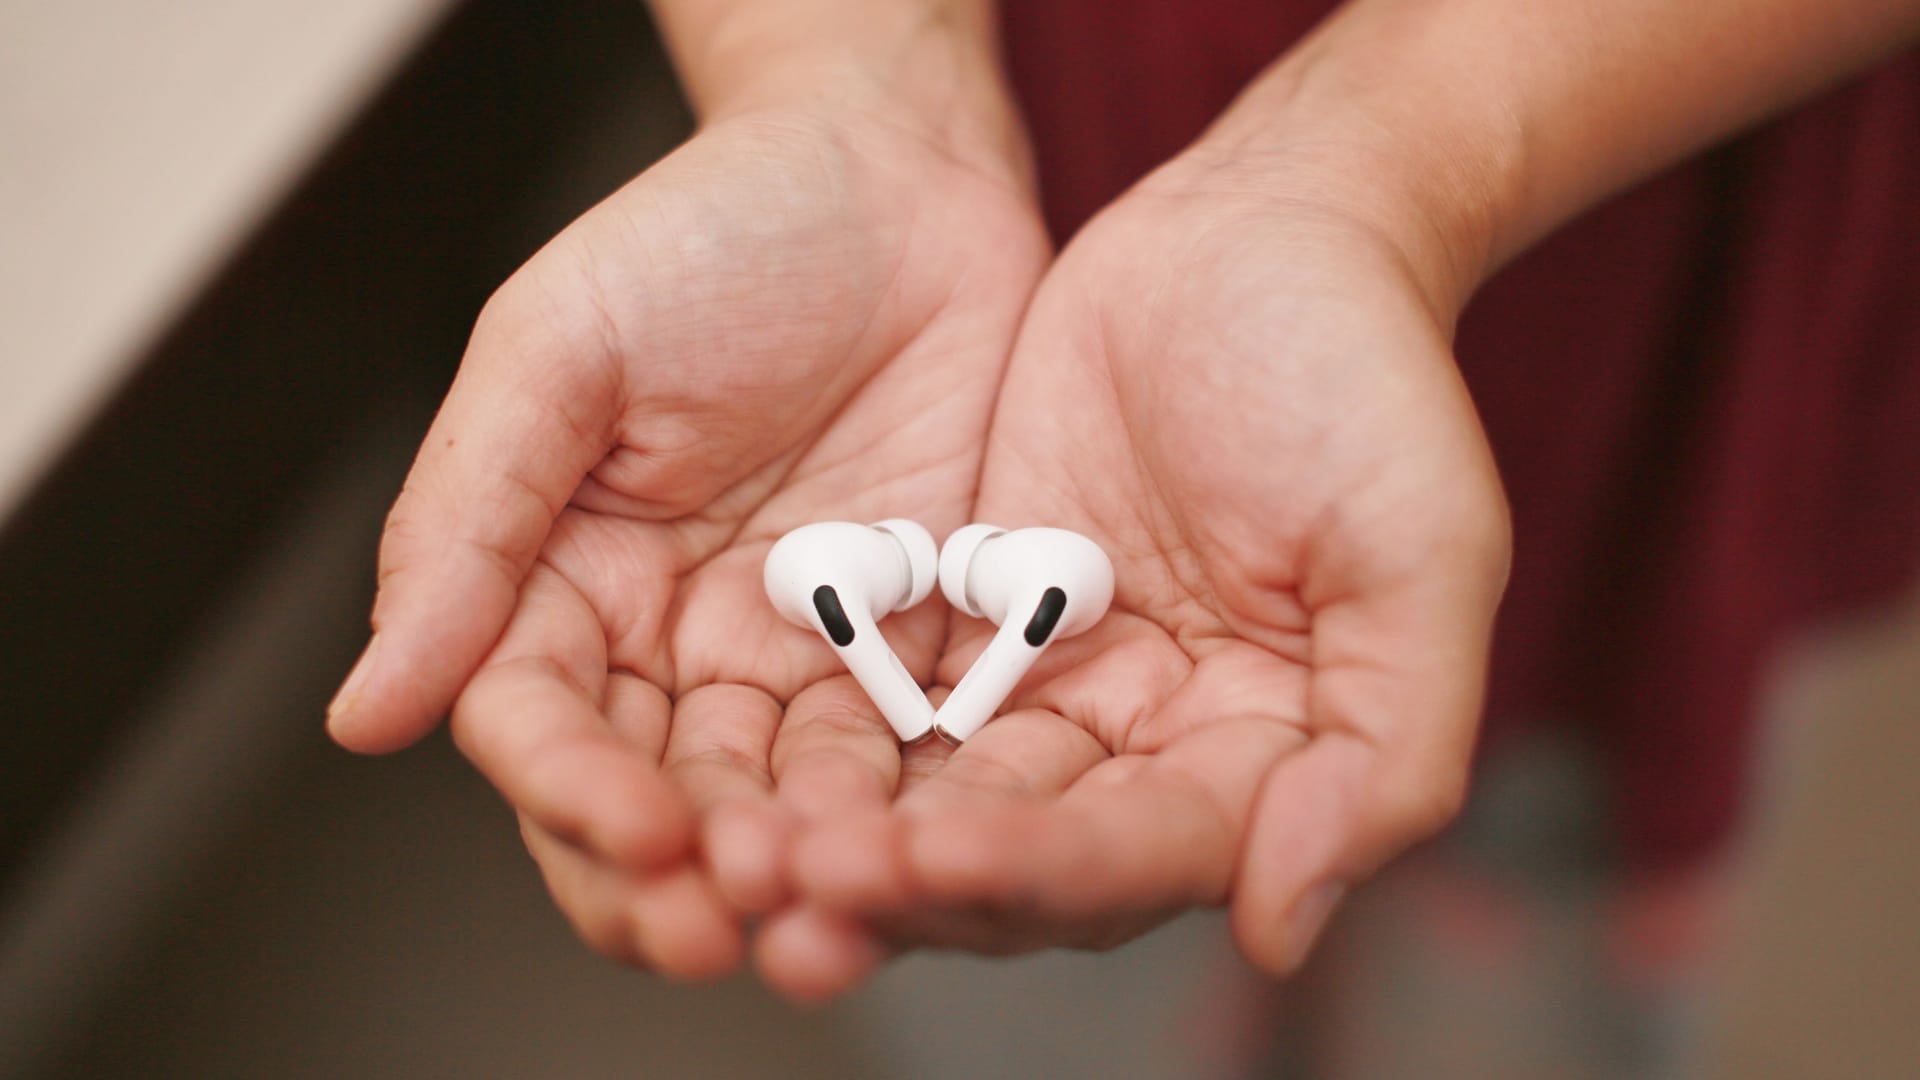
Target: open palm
(793, 318)
(1247, 402)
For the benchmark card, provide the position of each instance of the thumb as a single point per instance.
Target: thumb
(531, 412)
(1394, 705)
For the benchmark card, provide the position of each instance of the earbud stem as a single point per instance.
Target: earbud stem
(880, 673)
(985, 685)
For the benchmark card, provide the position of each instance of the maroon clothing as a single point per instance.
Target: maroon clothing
(1704, 396)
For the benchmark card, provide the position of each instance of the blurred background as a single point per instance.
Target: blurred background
(241, 243)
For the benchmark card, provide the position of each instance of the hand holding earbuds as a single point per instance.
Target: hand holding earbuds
(839, 579)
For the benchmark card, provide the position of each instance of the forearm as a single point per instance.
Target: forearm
(1497, 120)
(933, 64)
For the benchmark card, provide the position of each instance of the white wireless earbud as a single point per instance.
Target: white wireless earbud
(1038, 585)
(840, 579)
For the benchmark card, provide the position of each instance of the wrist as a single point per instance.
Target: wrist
(927, 68)
(1467, 129)
(1436, 178)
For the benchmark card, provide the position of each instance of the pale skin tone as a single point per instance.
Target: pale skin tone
(835, 303)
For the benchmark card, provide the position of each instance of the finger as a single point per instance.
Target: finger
(1394, 704)
(719, 752)
(638, 711)
(745, 844)
(683, 927)
(833, 758)
(592, 896)
(671, 921)
(811, 955)
(1134, 835)
(1031, 753)
(857, 862)
(531, 723)
(721, 742)
(530, 413)
(834, 753)
(852, 864)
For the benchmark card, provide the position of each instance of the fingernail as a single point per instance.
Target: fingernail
(344, 701)
(1310, 915)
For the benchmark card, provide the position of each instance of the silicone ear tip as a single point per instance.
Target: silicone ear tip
(923, 557)
(956, 556)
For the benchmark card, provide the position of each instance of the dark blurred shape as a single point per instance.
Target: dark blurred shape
(352, 304)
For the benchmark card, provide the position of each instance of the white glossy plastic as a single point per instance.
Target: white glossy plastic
(1005, 577)
(873, 570)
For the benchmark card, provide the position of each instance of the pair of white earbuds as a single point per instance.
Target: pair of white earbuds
(840, 579)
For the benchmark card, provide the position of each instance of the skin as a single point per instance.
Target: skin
(802, 314)
(1268, 435)
(1238, 380)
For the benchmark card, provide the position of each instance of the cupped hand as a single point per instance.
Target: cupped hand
(1244, 393)
(799, 315)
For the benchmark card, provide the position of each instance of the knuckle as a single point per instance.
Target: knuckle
(730, 758)
(842, 720)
